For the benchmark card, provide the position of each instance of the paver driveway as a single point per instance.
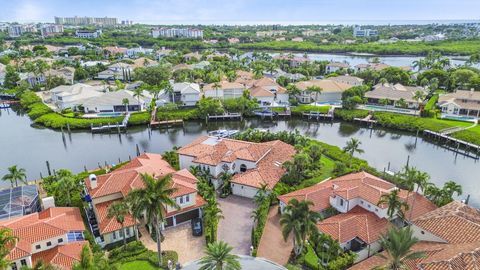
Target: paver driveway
(180, 239)
(236, 226)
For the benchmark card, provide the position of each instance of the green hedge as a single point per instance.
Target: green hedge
(136, 251)
(38, 109)
(55, 120)
(298, 110)
(257, 231)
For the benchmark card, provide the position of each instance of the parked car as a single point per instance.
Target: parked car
(197, 227)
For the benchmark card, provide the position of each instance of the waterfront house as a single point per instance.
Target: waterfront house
(113, 102)
(67, 73)
(72, 96)
(226, 90)
(460, 103)
(395, 93)
(252, 164)
(360, 221)
(293, 61)
(347, 79)
(268, 92)
(184, 93)
(117, 71)
(54, 235)
(336, 66)
(331, 91)
(449, 236)
(103, 190)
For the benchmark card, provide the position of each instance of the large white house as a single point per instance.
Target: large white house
(72, 96)
(461, 102)
(117, 71)
(268, 92)
(54, 236)
(186, 93)
(113, 102)
(331, 91)
(224, 90)
(253, 164)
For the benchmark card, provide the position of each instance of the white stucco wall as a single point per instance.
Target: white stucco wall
(244, 191)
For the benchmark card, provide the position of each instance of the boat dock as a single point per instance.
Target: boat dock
(368, 119)
(167, 123)
(108, 127)
(453, 142)
(225, 116)
(222, 133)
(318, 115)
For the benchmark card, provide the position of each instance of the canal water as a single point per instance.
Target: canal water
(30, 147)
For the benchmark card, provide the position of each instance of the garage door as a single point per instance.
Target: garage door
(186, 216)
(244, 191)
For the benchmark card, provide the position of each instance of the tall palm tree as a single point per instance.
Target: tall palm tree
(394, 203)
(398, 245)
(419, 96)
(450, 188)
(138, 93)
(353, 146)
(7, 241)
(119, 210)
(152, 200)
(218, 257)
(125, 102)
(315, 89)
(169, 90)
(300, 221)
(14, 175)
(216, 86)
(212, 213)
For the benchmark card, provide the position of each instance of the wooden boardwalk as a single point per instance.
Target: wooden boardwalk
(108, 127)
(225, 116)
(447, 140)
(368, 119)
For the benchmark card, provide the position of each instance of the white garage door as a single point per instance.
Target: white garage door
(244, 191)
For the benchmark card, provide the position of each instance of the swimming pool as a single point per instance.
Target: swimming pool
(388, 109)
(109, 114)
(459, 117)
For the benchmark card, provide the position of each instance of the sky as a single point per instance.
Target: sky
(243, 11)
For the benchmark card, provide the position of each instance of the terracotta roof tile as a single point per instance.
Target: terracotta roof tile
(63, 256)
(318, 194)
(105, 224)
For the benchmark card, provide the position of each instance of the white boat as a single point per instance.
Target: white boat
(222, 133)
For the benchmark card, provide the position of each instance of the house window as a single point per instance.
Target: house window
(14, 266)
(23, 262)
(114, 235)
(361, 202)
(127, 231)
(187, 198)
(243, 168)
(422, 232)
(38, 247)
(376, 209)
(341, 202)
(49, 244)
(181, 200)
(60, 240)
(75, 236)
(121, 234)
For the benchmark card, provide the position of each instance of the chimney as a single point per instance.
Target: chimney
(93, 180)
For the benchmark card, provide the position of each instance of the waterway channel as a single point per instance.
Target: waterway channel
(30, 147)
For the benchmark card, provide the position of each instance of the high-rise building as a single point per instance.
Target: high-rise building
(51, 29)
(105, 21)
(177, 32)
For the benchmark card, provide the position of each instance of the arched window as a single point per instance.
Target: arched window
(243, 168)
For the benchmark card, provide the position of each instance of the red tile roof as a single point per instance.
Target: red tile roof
(454, 222)
(63, 256)
(105, 224)
(438, 257)
(212, 150)
(50, 223)
(199, 202)
(358, 222)
(318, 194)
(269, 169)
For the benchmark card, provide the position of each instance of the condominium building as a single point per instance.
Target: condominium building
(359, 32)
(106, 21)
(51, 29)
(177, 32)
(88, 34)
(15, 30)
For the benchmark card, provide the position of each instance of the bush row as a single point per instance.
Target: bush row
(257, 230)
(300, 109)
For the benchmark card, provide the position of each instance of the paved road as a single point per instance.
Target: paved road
(236, 226)
(272, 246)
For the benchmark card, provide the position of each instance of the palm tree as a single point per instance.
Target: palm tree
(138, 93)
(353, 146)
(125, 102)
(413, 177)
(152, 201)
(14, 175)
(419, 96)
(7, 241)
(169, 90)
(450, 188)
(384, 101)
(261, 195)
(216, 86)
(382, 81)
(394, 203)
(398, 244)
(300, 221)
(119, 210)
(315, 89)
(218, 257)
(86, 260)
(212, 213)
(66, 184)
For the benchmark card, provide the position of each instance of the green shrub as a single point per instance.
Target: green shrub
(262, 220)
(29, 98)
(37, 110)
(55, 120)
(139, 118)
(299, 110)
(310, 258)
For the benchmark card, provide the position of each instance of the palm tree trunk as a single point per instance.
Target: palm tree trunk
(159, 245)
(124, 237)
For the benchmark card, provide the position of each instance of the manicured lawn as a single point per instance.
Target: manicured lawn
(298, 110)
(471, 135)
(136, 265)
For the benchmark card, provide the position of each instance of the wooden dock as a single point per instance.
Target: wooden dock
(225, 116)
(166, 123)
(318, 115)
(109, 127)
(368, 119)
(453, 142)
